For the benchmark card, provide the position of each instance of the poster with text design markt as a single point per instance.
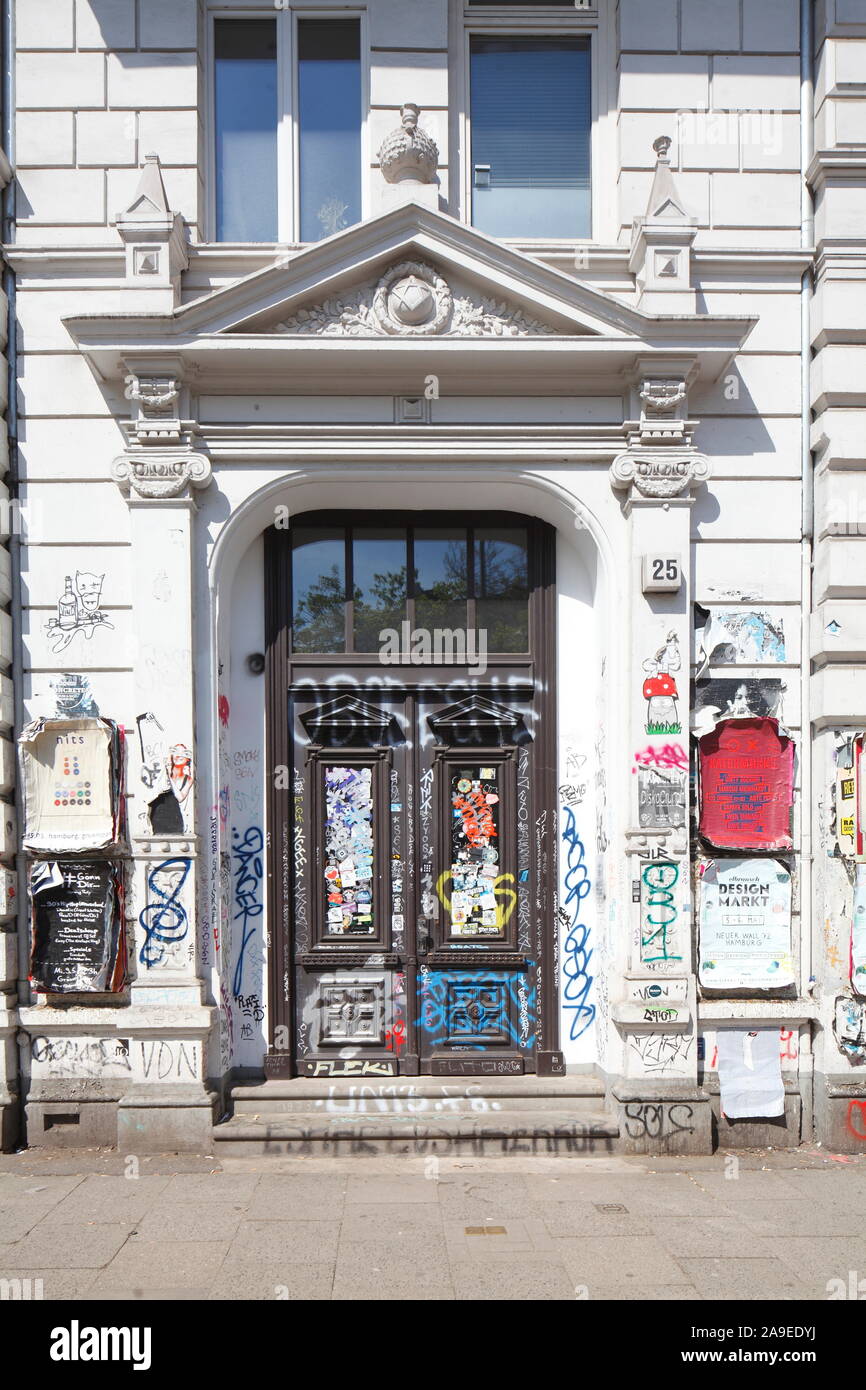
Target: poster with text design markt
(745, 925)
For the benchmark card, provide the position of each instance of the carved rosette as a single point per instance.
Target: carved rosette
(412, 300)
(154, 476)
(659, 474)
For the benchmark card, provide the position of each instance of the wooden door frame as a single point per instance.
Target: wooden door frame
(280, 1060)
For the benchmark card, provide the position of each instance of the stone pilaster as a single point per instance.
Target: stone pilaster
(167, 1104)
(660, 1102)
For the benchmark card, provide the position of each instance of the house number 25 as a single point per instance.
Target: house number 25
(661, 573)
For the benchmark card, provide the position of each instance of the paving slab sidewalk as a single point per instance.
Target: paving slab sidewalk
(762, 1225)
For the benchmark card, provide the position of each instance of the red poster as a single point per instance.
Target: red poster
(747, 785)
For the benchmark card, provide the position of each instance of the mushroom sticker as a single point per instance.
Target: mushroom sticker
(660, 688)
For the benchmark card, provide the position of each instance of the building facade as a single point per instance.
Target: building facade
(438, 628)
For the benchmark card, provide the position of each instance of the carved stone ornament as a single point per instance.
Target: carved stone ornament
(662, 397)
(412, 300)
(155, 476)
(659, 475)
(154, 395)
(408, 154)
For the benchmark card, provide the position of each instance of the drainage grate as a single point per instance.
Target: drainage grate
(609, 1208)
(485, 1231)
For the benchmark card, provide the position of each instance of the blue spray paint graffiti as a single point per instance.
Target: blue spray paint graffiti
(462, 1009)
(248, 877)
(164, 920)
(576, 955)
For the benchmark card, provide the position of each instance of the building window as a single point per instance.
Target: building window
(245, 117)
(329, 125)
(287, 117)
(531, 117)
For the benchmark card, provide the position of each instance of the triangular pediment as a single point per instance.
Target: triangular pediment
(416, 273)
(348, 721)
(477, 720)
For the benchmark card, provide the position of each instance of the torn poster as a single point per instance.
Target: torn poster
(849, 1026)
(750, 1073)
(78, 944)
(730, 699)
(746, 785)
(740, 638)
(661, 798)
(858, 932)
(847, 768)
(745, 925)
(71, 772)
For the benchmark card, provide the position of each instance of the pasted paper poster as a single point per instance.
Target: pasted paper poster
(70, 772)
(858, 932)
(750, 1073)
(76, 912)
(747, 785)
(661, 798)
(745, 925)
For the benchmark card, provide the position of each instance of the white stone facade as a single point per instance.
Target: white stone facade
(641, 391)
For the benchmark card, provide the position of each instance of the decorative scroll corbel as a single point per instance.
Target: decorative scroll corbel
(658, 474)
(155, 475)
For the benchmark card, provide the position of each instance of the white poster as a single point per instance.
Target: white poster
(750, 1073)
(746, 925)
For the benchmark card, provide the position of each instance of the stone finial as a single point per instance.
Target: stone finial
(661, 243)
(408, 154)
(153, 235)
(664, 200)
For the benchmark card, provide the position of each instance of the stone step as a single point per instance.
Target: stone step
(551, 1132)
(420, 1095)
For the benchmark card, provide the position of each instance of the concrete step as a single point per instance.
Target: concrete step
(531, 1131)
(421, 1095)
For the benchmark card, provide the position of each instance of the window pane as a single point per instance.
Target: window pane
(319, 589)
(329, 116)
(475, 853)
(531, 115)
(441, 578)
(349, 851)
(379, 579)
(245, 100)
(502, 587)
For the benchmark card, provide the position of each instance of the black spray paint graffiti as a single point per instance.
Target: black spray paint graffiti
(247, 853)
(659, 1052)
(164, 919)
(576, 956)
(661, 1123)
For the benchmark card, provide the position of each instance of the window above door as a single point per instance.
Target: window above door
(352, 582)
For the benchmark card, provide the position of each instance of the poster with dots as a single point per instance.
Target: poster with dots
(70, 773)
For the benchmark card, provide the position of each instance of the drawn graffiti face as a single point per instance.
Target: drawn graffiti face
(89, 587)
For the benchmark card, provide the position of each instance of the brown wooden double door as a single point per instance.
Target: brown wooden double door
(411, 842)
